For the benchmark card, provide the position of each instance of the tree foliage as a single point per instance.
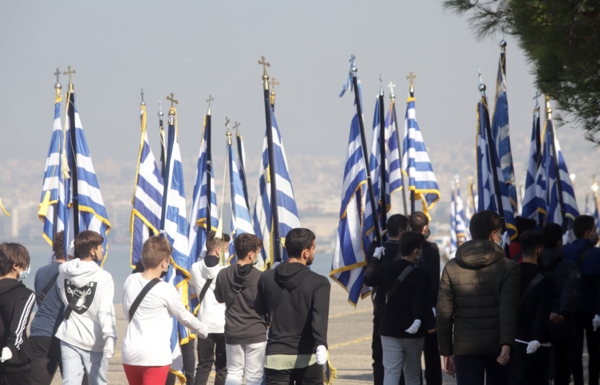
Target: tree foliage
(561, 40)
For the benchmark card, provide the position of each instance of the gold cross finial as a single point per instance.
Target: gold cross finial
(210, 99)
(172, 100)
(263, 63)
(69, 72)
(273, 83)
(391, 87)
(412, 77)
(236, 125)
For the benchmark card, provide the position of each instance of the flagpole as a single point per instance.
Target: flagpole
(162, 139)
(240, 140)
(73, 165)
(393, 97)
(272, 171)
(411, 92)
(561, 202)
(169, 151)
(208, 169)
(365, 155)
(382, 152)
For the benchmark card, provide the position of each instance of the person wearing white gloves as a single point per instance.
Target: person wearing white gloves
(149, 304)
(88, 332)
(404, 322)
(296, 302)
(531, 356)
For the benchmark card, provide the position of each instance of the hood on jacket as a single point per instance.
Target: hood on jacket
(290, 275)
(211, 272)
(551, 258)
(241, 275)
(80, 273)
(8, 284)
(477, 254)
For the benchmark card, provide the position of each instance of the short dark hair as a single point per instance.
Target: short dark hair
(297, 240)
(246, 243)
(13, 254)
(583, 224)
(530, 240)
(523, 224)
(155, 250)
(58, 245)
(396, 224)
(212, 242)
(409, 241)
(483, 223)
(418, 221)
(552, 233)
(86, 241)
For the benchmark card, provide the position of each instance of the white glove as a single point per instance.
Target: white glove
(596, 322)
(321, 355)
(434, 312)
(109, 347)
(6, 354)
(532, 347)
(379, 252)
(275, 265)
(414, 327)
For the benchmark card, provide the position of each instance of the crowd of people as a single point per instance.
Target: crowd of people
(499, 315)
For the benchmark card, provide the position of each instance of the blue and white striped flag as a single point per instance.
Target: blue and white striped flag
(198, 216)
(416, 163)
(485, 177)
(147, 197)
(52, 203)
(241, 161)
(241, 222)
(501, 133)
(471, 207)
(530, 200)
(348, 265)
(596, 214)
(453, 235)
(92, 213)
(462, 231)
(393, 154)
(288, 212)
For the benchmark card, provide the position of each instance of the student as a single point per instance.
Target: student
(45, 347)
(16, 302)
(245, 329)
(403, 324)
(211, 313)
(478, 305)
(562, 319)
(532, 351)
(587, 316)
(296, 300)
(147, 344)
(87, 333)
(396, 225)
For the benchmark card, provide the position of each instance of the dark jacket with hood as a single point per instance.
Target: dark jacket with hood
(588, 300)
(430, 261)
(16, 303)
(300, 324)
(392, 248)
(243, 325)
(566, 276)
(479, 299)
(535, 308)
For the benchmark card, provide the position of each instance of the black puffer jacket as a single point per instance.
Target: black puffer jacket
(566, 276)
(479, 298)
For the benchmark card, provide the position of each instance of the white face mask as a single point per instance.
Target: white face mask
(24, 274)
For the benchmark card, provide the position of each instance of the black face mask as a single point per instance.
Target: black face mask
(427, 234)
(162, 275)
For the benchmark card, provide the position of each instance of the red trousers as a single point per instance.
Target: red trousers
(146, 375)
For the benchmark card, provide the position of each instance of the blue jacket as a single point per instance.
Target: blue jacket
(588, 298)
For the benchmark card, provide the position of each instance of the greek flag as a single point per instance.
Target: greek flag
(596, 212)
(147, 197)
(500, 133)
(530, 200)
(348, 265)
(393, 154)
(453, 235)
(92, 213)
(416, 163)
(198, 216)
(288, 213)
(241, 222)
(471, 207)
(462, 232)
(547, 186)
(52, 202)
(485, 176)
(242, 166)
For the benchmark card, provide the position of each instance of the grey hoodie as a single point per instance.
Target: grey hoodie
(93, 318)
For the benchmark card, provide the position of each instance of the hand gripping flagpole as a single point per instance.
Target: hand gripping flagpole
(272, 171)
(73, 165)
(561, 201)
(411, 92)
(208, 168)
(382, 162)
(393, 97)
(364, 148)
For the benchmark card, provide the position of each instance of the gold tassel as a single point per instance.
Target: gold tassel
(3, 209)
(43, 212)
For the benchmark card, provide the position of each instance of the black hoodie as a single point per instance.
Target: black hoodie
(242, 323)
(16, 303)
(300, 324)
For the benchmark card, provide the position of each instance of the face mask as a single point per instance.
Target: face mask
(254, 263)
(163, 273)
(595, 238)
(24, 274)
(427, 234)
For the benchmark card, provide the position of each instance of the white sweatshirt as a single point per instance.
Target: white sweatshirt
(92, 320)
(211, 313)
(147, 340)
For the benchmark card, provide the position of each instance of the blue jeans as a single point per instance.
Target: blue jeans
(75, 361)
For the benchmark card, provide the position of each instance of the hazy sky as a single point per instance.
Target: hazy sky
(198, 48)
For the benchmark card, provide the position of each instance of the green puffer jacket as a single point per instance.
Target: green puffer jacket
(479, 297)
